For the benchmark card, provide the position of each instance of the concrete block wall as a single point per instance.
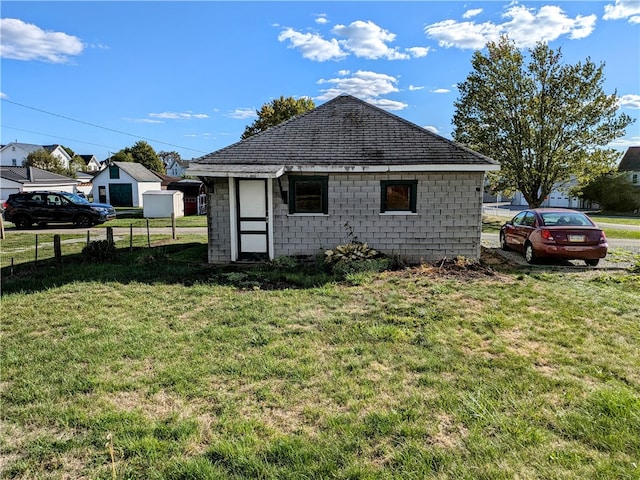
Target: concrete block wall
(447, 223)
(219, 227)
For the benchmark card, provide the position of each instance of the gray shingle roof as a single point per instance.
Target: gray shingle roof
(631, 160)
(138, 171)
(345, 131)
(34, 175)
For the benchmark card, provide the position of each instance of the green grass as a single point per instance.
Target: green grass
(621, 220)
(196, 372)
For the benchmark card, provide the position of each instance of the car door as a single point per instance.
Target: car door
(37, 206)
(524, 228)
(511, 231)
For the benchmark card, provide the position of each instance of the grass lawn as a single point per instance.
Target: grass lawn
(158, 367)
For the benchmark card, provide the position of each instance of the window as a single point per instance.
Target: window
(14, 162)
(398, 195)
(308, 194)
(114, 172)
(634, 178)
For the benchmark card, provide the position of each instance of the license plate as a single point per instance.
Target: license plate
(575, 238)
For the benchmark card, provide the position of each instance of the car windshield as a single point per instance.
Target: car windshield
(566, 218)
(77, 199)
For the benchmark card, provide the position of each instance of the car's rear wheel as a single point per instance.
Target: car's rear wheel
(22, 221)
(592, 262)
(83, 221)
(530, 254)
(503, 242)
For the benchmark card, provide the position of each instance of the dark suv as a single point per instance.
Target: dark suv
(26, 208)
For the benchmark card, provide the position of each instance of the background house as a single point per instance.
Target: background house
(122, 184)
(176, 168)
(630, 164)
(14, 154)
(29, 179)
(344, 167)
(92, 163)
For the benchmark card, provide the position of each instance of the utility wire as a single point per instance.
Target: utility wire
(99, 126)
(60, 138)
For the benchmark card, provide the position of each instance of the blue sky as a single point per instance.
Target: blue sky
(189, 76)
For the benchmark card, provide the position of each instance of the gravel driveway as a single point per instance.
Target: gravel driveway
(623, 254)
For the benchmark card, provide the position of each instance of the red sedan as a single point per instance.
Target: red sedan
(554, 233)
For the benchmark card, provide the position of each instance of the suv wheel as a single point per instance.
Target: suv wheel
(83, 221)
(22, 221)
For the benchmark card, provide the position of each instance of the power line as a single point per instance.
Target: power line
(60, 138)
(99, 126)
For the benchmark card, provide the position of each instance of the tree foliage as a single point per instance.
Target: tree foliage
(46, 161)
(614, 192)
(276, 112)
(143, 153)
(545, 121)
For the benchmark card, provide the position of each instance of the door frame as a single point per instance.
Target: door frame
(234, 207)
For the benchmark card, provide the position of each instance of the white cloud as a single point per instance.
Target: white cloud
(418, 52)
(622, 9)
(441, 90)
(143, 120)
(413, 88)
(178, 116)
(368, 40)
(321, 19)
(243, 113)
(432, 129)
(630, 101)
(3, 95)
(523, 25)
(472, 13)
(313, 46)
(369, 86)
(360, 38)
(25, 41)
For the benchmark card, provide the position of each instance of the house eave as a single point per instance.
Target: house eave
(236, 171)
(273, 171)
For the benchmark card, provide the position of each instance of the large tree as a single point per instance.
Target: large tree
(547, 122)
(140, 152)
(46, 161)
(276, 112)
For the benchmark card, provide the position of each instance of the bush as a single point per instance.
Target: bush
(99, 251)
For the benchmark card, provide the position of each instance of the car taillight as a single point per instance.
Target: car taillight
(5, 205)
(603, 238)
(546, 235)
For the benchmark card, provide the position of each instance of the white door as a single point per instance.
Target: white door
(252, 219)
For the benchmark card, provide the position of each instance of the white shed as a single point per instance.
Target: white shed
(163, 203)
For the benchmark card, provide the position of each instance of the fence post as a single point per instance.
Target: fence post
(36, 259)
(57, 249)
(110, 235)
(131, 237)
(148, 235)
(88, 237)
(173, 225)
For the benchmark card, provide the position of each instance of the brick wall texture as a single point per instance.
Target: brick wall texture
(447, 223)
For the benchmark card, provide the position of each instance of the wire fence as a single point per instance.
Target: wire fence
(23, 251)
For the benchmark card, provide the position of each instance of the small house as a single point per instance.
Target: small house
(195, 195)
(344, 169)
(29, 179)
(122, 184)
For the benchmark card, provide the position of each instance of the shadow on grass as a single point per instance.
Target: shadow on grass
(183, 264)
